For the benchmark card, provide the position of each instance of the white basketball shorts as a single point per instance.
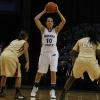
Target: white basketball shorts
(47, 59)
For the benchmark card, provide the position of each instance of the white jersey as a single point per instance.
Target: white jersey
(49, 41)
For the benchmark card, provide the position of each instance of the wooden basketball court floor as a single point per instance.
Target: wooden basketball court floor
(82, 95)
(43, 94)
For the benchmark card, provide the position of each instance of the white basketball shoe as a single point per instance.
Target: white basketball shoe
(52, 94)
(34, 91)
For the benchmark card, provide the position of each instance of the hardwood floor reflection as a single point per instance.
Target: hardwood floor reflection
(41, 95)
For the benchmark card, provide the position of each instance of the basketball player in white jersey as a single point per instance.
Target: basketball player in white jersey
(49, 52)
(9, 62)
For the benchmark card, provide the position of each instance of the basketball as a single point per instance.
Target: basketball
(51, 7)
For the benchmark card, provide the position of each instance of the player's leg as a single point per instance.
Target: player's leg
(43, 67)
(74, 74)
(94, 70)
(53, 84)
(3, 66)
(2, 85)
(53, 69)
(37, 79)
(18, 94)
(67, 86)
(36, 84)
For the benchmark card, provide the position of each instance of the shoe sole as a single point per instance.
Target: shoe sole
(53, 97)
(33, 95)
(20, 98)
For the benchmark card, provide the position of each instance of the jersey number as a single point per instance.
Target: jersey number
(49, 40)
(87, 45)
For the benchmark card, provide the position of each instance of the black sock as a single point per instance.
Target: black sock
(2, 89)
(53, 86)
(36, 84)
(17, 90)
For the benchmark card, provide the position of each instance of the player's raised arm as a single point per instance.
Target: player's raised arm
(38, 22)
(61, 24)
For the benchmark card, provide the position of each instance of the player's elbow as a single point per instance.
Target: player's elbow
(36, 18)
(64, 21)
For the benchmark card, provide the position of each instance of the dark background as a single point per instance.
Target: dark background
(18, 14)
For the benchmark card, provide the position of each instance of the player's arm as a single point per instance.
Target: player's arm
(26, 46)
(62, 23)
(98, 53)
(75, 52)
(74, 55)
(38, 22)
